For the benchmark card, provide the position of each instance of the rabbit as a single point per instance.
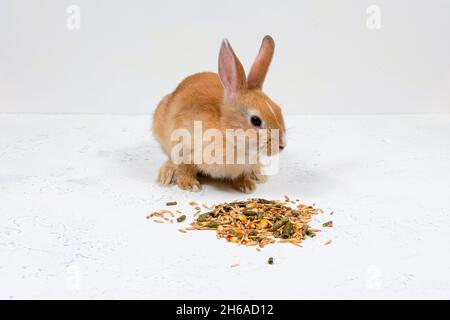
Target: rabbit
(220, 101)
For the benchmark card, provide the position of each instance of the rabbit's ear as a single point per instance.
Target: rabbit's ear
(231, 72)
(261, 65)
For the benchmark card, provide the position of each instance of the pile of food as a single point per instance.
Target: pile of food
(253, 222)
(259, 222)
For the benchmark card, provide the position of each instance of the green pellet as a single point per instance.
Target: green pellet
(279, 223)
(204, 216)
(287, 230)
(213, 224)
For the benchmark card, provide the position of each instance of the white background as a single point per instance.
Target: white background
(128, 54)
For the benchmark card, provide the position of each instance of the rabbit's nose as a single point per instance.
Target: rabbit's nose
(281, 147)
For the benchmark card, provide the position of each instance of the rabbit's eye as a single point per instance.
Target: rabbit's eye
(256, 121)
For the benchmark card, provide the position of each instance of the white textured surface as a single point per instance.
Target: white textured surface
(75, 190)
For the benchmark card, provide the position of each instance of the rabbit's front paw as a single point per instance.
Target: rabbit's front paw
(166, 173)
(244, 184)
(189, 184)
